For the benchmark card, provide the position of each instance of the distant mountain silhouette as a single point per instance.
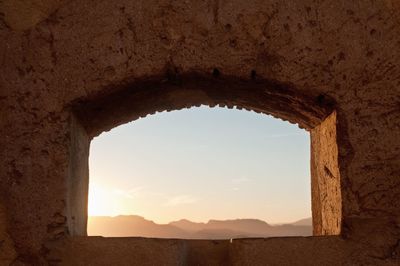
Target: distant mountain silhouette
(133, 225)
(306, 221)
(188, 225)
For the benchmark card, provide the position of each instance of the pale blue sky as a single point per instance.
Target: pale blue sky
(200, 164)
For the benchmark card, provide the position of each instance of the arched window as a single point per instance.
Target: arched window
(124, 104)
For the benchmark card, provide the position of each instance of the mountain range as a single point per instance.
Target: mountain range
(134, 225)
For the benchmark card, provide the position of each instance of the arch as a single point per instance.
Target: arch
(129, 101)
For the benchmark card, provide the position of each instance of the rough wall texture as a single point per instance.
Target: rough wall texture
(25, 14)
(7, 251)
(78, 182)
(343, 51)
(273, 251)
(325, 179)
(140, 251)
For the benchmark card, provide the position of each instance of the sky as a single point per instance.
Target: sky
(202, 163)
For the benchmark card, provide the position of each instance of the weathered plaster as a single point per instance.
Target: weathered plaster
(325, 179)
(340, 52)
(7, 250)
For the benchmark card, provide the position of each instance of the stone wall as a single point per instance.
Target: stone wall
(272, 251)
(325, 179)
(7, 251)
(296, 60)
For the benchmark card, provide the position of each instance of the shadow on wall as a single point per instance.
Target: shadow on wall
(7, 251)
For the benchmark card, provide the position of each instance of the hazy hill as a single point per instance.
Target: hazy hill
(306, 221)
(252, 226)
(188, 225)
(134, 225)
(131, 225)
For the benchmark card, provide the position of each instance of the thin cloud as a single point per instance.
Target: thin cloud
(240, 180)
(130, 194)
(180, 200)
